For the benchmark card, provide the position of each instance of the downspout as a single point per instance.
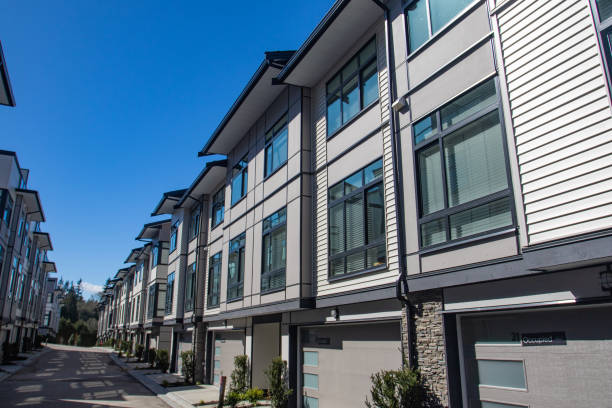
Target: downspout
(401, 285)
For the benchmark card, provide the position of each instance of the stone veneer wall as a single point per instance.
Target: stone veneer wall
(427, 348)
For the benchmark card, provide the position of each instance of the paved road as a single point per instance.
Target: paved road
(75, 377)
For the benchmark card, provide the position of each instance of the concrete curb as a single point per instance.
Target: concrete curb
(24, 363)
(172, 400)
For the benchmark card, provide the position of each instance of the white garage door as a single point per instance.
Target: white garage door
(337, 362)
(227, 345)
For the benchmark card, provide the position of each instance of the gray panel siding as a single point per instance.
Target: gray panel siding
(560, 115)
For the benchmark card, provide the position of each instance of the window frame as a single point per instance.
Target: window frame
(174, 236)
(215, 260)
(216, 204)
(152, 301)
(7, 210)
(269, 143)
(603, 28)
(438, 139)
(278, 271)
(361, 191)
(239, 283)
(194, 221)
(169, 294)
(190, 297)
(243, 173)
(343, 83)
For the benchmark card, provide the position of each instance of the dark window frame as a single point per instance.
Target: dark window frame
(438, 138)
(194, 221)
(361, 191)
(269, 143)
(152, 301)
(240, 169)
(604, 35)
(218, 200)
(190, 297)
(239, 284)
(279, 271)
(214, 276)
(174, 236)
(169, 293)
(343, 82)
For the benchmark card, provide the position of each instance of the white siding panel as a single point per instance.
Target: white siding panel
(561, 116)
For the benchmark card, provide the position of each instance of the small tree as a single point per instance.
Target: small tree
(240, 375)
(278, 381)
(397, 389)
(162, 360)
(187, 365)
(151, 354)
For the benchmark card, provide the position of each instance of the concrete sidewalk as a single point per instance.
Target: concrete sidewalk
(180, 397)
(7, 370)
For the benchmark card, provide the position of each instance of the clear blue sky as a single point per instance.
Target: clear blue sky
(115, 99)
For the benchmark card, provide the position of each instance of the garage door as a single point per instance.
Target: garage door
(337, 362)
(555, 358)
(227, 346)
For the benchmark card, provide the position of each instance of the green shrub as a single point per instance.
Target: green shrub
(240, 375)
(139, 352)
(162, 360)
(165, 383)
(151, 354)
(253, 395)
(187, 365)
(396, 389)
(278, 381)
(232, 398)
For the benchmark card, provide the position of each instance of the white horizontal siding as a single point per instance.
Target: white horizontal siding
(561, 116)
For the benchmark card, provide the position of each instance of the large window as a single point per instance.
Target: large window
(8, 206)
(357, 222)
(11, 285)
(173, 235)
(426, 17)
(155, 253)
(274, 251)
(461, 163)
(169, 293)
(218, 207)
(276, 146)
(235, 268)
(239, 180)
(152, 301)
(194, 222)
(214, 280)
(190, 287)
(353, 88)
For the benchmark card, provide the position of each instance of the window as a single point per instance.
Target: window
(194, 222)
(173, 234)
(152, 301)
(274, 251)
(426, 17)
(20, 226)
(235, 268)
(21, 284)
(214, 280)
(169, 293)
(603, 22)
(276, 146)
(8, 207)
(357, 222)
(461, 164)
(502, 373)
(353, 88)
(190, 286)
(137, 308)
(239, 180)
(47, 319)
(12, 277)
(50, 297)
(218, 207)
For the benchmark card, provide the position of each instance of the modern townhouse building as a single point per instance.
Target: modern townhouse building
(139, 277)
(6, 92)
(23, 254)
(52, 301)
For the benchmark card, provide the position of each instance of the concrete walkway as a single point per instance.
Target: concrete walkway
(6, 370)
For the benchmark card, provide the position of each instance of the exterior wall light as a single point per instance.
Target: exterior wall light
(335, 313)
(605, 278)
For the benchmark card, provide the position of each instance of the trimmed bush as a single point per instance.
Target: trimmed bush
(232, 398)
(240, 375)
(396, 389)
(253, 395)
(162, 360)
(187, 365)
(278, 380)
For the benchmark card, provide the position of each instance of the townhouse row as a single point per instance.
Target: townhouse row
(423, 183)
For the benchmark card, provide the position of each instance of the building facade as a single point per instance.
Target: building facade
(421, 183)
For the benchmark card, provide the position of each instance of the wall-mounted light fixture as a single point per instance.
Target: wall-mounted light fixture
(335, 313)
(605, 279)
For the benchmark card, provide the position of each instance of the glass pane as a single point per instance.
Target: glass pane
(376, 256)
(311, 358)
(488, 404)
(350, 100)
(376, 213)
(418, 27)
(336, 191)
(443, 11)
(480, 219)
(267, 254)
(232, 272)
(334, 84)
(336, 229)
(217, 351)
(349, 69)
(353, 182)
(355, 262)
(278, 253)
(236, 188)
(355, 234)
(269, 159)
(468, 104)
(334, 118)
(373, 171)
(605, 9)
(280, 124)
(501, 373)
(336, 267)
(433, 232)
(311, 381)
(474, 160)
(216, 379)
(279, 156)
(368, 52)
(430, 180)
(311, 402)
(425, 128)
(369, 84)
(217, 364)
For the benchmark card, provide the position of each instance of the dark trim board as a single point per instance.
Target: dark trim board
(273, 308)
(357, 296)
